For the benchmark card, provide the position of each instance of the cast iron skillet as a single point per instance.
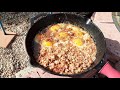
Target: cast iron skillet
(91, 28)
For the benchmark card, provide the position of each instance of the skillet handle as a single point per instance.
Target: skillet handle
(90, 17)
(109, 71)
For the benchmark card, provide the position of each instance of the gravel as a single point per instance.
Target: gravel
(15, 58)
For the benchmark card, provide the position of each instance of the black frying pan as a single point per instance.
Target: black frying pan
(91, 28)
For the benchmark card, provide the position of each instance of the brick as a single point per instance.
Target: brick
(6, 39)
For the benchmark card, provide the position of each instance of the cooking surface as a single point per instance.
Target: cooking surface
(14, 59)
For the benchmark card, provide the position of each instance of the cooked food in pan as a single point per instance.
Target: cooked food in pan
(66, 48)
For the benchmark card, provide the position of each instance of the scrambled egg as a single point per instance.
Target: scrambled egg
(77, 31)
(62, 25)
(78, 42)
(47, 43)
(54, 28)
(63, 34)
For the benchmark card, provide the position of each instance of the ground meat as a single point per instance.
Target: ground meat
(64, 57)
